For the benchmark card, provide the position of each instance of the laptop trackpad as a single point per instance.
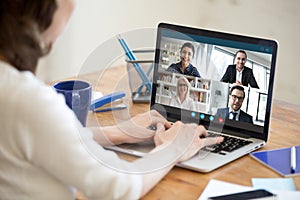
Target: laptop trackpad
(202, 154)
(143, 147)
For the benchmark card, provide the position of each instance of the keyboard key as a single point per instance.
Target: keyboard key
(229, 144)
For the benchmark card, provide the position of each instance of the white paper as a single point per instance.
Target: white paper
(275, 184)
(287, 195)
(217, 188)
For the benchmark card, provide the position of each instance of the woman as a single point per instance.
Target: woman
(42, 156)
(182, 98)
(185, 67)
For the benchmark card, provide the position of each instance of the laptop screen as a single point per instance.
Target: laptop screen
(220, 80)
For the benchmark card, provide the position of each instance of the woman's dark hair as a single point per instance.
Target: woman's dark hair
(21, 24)
(189, 45)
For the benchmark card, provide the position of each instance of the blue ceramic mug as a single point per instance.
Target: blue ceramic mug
(78, 96)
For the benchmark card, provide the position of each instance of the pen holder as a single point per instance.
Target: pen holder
(140, 87)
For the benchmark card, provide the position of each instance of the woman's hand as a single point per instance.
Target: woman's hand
(142, 126)
(137, 129)
(187, 139)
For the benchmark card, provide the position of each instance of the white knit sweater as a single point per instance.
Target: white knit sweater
(41, 151)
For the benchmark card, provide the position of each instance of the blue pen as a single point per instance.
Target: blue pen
(293, 159)
(137, 67)
(131, 56)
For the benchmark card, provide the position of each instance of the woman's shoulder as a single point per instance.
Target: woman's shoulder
(25, 92)
(175, 64)
(174, 67)
(20, 83)
(31, 86)
(189, 100)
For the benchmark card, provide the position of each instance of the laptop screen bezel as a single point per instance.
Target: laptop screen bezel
(174, 114)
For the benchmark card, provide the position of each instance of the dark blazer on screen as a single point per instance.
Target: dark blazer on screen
(243, 117)
(247, 76)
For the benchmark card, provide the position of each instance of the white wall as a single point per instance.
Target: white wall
(97, 22)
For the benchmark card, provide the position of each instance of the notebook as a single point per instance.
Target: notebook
(213, 52)
(280, 160)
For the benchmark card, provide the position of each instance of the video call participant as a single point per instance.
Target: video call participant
(234, 112)
(182, 98)
(238, 73)
(185, 67)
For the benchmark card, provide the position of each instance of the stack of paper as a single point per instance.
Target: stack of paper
(217, 188)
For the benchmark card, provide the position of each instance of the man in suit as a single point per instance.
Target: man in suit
(239, 73)
(234, 112)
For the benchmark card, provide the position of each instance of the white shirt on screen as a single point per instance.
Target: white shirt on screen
(239, 75)
(188, 103)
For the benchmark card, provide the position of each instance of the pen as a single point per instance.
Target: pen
(138, 68)
(293, 159)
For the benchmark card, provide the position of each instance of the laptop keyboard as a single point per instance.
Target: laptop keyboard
(228, 145)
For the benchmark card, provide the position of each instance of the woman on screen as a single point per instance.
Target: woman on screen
(182, 98)
(185, 67)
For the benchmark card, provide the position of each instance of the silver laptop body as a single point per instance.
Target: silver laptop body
(214, 52)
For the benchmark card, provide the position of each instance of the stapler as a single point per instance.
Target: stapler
(100, 105)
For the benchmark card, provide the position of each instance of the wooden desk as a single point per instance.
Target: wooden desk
(185, 184)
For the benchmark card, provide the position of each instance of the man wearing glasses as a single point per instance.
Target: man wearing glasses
(234, 112)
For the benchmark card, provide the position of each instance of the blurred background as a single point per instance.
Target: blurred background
(95, 24)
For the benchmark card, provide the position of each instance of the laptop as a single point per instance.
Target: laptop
(213, 53)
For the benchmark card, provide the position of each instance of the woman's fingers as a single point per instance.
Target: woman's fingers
(211, 140)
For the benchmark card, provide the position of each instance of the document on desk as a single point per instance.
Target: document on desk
(286, 184)
(217, 188)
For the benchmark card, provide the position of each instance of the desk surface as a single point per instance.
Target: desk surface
(185, 184)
